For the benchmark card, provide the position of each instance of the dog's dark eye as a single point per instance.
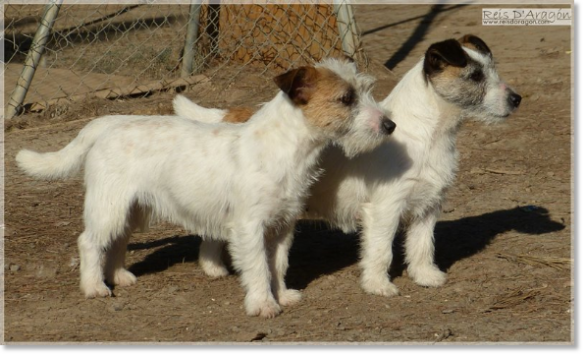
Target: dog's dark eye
(476, 76)
(348, 98)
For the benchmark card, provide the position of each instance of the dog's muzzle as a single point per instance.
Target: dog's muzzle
(514, 100)
(388, 126)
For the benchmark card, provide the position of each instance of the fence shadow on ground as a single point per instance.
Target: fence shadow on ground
(417, 35)
(318, 250)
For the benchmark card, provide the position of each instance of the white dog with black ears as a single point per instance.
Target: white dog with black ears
(243, 183)
(405, 179)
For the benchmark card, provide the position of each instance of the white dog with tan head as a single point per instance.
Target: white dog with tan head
(243, 184)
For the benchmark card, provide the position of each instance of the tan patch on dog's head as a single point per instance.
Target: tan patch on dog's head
(238, 115)
(331, 102)
(326, 99)
(455, 75)
(450, 73)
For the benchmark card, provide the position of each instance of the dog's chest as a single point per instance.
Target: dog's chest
(437, 173)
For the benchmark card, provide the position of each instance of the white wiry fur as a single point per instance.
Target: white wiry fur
(243, 184)
(402, 181)
(66, 162)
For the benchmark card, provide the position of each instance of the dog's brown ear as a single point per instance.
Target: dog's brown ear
(475, 43)
(443, 54)
(298, 83)
(348, 58)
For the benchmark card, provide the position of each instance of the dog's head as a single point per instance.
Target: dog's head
(463, 72)
(336, 101)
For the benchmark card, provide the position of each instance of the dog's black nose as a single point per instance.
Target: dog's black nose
(388, 125)
(515, 100)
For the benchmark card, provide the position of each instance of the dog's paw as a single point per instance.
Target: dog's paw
(289, 297)
(383, 288)
(124, 278)
(266, 309)
(98, 290)
(427, 276)
(214, 270)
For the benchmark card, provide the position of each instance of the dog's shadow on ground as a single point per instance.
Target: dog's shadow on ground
(459, 239)
(318, 250)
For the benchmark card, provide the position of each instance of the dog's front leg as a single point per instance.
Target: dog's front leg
(379, 229)
(249, 257)
(420, 250)
(278, 247)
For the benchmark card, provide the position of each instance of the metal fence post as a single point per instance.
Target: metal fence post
(32, 58)
(191, 39)
(347, 27)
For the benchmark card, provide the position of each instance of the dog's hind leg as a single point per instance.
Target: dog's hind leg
(377, 236)
(278, 247)
(140, 217)
(249, 257)
(91, 256)
(210, 258)
(420, 251)
(115, 269)
(103, 242)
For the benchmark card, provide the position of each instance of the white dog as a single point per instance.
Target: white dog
(242, 183)
(405, 179)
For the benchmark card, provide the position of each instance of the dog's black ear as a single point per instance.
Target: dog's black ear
(443, 54)
(297, 83)
(476, 43)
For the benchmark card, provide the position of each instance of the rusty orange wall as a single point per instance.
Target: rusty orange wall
(276, 34)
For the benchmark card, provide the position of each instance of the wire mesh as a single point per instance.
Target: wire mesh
(114, 50)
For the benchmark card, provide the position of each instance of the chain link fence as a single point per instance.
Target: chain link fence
(114, 50)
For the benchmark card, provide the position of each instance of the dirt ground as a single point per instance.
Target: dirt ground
(504, 238)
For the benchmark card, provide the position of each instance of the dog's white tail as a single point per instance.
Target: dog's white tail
(186, 108)
(67, 161)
